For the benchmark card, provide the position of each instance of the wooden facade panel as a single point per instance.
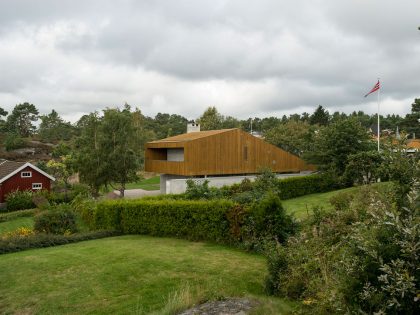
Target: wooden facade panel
(165, 167)
(223, 154)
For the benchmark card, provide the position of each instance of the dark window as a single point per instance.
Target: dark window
(246, 153)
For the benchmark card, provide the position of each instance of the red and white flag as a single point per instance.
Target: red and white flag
(374, 89)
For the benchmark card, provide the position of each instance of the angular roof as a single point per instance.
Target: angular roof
(414, 143)
(192, 136)
(7, 167)
(10, 168)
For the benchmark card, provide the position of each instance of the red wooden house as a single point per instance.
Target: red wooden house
(22, 176)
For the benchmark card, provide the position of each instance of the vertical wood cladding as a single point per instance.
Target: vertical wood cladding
(232, 151)
(16, 182)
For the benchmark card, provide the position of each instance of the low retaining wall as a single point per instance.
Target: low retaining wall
(179, 185)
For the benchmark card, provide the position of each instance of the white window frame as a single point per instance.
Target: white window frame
(36, 186)
(26, 176)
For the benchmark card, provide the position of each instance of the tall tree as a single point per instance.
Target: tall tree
(87, 154)
(108, 151)
(211, 119)
(119, 146)
(21, 119)
(54, 128)
(2, 122)
(320, 117)
(292, 136)
(332, 146)
(411, 123)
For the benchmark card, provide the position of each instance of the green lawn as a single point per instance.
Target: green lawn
(12, 225)
(130, 275)
(301, 205)
(152, 183)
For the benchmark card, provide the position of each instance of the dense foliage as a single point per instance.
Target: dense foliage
(18, 243)
(110, 148)
(197, 220)
(19, 200)
(333, 145)
(363, 258)
(59, 220)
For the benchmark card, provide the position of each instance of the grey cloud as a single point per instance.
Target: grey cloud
(246, 57)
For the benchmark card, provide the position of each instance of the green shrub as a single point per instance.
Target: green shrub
(269, 219)
(19, 200)
(197, 191)
(360, 260)
(304, 185)
(247, 192)
(196, 220)
(58, 221)
(15, 244)
(342, 200)
(13, 141)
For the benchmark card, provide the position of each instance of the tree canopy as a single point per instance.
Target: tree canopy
(332, 146)
(21, 119)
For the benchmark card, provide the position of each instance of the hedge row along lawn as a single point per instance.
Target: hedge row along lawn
(130, 275)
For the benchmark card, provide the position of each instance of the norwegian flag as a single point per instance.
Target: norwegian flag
(375, 88)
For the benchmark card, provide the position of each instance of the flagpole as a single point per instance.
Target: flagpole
(379, 129)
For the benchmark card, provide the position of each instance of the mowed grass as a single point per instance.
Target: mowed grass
(301, 207)
(152, 183)
(13, 225)
(130, 275)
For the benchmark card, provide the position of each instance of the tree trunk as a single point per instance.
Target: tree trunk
(122, 189)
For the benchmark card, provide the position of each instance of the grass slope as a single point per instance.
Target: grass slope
(302, 205)
(129, 275)
(12, 225)
(152, 183)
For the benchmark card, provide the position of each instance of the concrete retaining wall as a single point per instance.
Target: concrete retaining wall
(177, 185)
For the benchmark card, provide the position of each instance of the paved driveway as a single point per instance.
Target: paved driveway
(138, 193)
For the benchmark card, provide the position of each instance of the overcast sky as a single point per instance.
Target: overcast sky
(247, 58)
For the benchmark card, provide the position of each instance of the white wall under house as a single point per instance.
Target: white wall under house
(174, 184)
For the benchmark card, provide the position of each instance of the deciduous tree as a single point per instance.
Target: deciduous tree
(332, 146)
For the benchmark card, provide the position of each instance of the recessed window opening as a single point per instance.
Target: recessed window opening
(36, 185)
(26, 174)
(175, 155)
(246, 153)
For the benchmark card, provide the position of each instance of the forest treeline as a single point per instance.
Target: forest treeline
(21, 122)
(107, 147)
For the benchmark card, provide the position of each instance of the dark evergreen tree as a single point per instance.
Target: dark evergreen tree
(320, 117)
(21, 119)
(411, 123)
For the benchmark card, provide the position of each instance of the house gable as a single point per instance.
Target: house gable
(18, 178)
(221, 152)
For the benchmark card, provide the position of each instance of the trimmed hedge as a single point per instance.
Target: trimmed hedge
(16, 244)
(304, 185)
(195, 220)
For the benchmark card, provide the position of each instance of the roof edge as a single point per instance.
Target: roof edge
(27, 164)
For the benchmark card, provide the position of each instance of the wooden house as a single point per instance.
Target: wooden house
(22, 176)
(224, 152)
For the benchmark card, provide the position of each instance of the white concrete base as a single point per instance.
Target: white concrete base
(172, 184)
